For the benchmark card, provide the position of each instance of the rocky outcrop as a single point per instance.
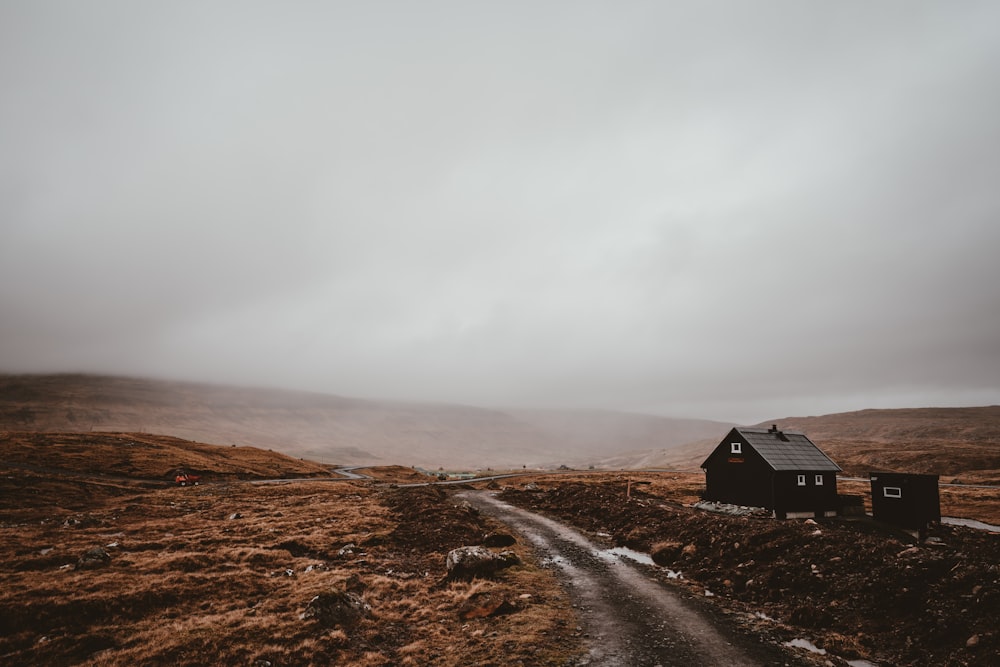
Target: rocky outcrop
(336, 608)
(477, 561)
(93, 558)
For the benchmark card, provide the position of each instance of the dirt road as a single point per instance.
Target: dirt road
(629, 617)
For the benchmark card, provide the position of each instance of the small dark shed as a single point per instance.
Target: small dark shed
(783, 471)
(907, 500)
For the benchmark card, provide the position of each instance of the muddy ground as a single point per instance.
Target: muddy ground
(853, 588)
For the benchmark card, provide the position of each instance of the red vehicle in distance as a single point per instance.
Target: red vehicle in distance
(186, 479)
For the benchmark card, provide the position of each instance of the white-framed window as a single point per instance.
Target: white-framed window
(892, 492)
(801, 481)
(819, 480)
(736, 448)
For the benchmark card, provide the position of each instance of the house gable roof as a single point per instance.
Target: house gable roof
(787, 450)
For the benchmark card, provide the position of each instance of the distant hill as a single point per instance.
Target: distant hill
(959, 443)
(140, 456)
(951, 442)
(333, 429)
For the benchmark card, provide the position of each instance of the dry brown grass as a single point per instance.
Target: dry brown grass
(395, 474)
(143, 456)
(190, 582)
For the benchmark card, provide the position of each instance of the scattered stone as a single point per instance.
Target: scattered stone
(347, 549)
(972, 641)
(466, 506)
(499, 540)
(93, 558)
(235, 515)
(336, 608)
(731, 510)
(476, 561)
(483, 605)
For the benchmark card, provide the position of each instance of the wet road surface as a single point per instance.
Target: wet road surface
(629, 618)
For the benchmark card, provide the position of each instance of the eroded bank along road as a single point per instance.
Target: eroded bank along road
(629, 618)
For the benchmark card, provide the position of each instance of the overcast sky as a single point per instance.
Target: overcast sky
(730, 210)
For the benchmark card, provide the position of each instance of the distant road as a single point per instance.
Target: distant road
(349, 473)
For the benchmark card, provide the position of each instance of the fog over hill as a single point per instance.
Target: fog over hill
(961, 443)
(335, 429)
(952, 442)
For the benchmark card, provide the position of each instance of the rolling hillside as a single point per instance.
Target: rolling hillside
(961, 443)
(333, 429)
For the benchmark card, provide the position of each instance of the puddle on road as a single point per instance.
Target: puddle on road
(612, 555)
(615, 554)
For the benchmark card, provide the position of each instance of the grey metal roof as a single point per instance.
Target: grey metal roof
(787, 450)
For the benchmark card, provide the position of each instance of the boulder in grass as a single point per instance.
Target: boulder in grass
(476, 561)
(93, 558)
(336, 608)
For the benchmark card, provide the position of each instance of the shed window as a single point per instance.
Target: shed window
(892, 492)
(802, 480)
(819, 480)
(736, 448)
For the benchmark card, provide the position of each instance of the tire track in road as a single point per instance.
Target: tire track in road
(630, 619)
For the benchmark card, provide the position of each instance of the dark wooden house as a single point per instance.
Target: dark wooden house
(907, 500)
(779, 470)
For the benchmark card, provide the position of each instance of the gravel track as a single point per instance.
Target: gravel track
(629, 618)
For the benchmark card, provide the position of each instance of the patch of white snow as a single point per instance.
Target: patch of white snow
(624, 552)
(807, 645)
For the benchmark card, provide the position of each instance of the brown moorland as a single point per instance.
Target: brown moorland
(114, 571)
(141, 456)
(109, 570)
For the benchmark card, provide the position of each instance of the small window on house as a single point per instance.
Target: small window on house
(802, 480)
(819, 480)
(892, 492)
(736, 448)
